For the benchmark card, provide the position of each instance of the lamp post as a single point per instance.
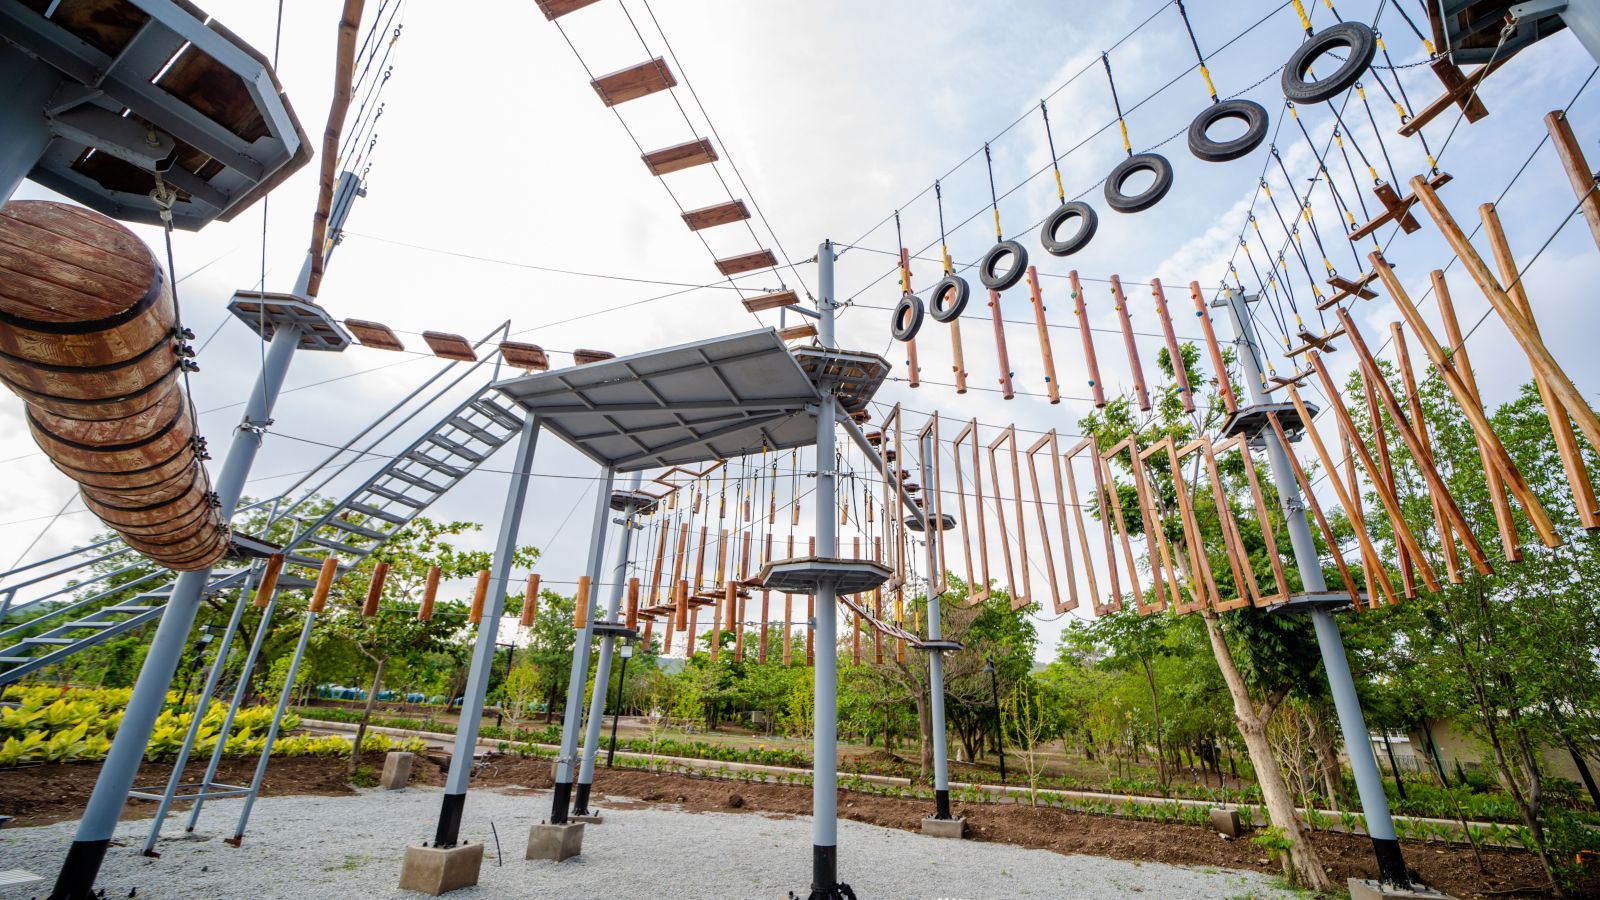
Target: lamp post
(616, 711)
(999, 733)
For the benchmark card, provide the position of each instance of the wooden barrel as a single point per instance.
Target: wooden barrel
(88, 319)
(88, 339)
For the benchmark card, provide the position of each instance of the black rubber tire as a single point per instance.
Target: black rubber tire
(999, 281)
(1355, 37)
(907, 319)
(958, 290)
(1154, 163)
(1088, 221)
(1255, 120)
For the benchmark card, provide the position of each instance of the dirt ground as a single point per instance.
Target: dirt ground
(52, 793)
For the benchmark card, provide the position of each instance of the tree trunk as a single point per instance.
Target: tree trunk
(1275, 796)
(925, 735)
(366, 716)
(1327, 760)
(1155, 706)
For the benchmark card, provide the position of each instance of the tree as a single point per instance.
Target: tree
(1029, 726)
(519, 689)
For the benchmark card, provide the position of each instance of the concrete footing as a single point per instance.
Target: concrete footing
(1226, 822)
(1362, 889)
(436, 871)
(944, 828)
(555, 842)
(592, 818)
(396, 770)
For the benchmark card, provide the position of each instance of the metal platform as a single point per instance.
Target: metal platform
(1304, 602)
(137, 86)
(615, 629)
(1252, 420)
(264, 311)
(801, 575)
(856, 376)
(713, 399)
(941, 646)
(642, 504)
(946, 522)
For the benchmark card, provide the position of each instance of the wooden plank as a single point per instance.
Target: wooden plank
(585, 357)
(1110, 498)
(1039, 502)
(524, 356)
(1560, 425)
(634, 82)
(1269, 534)
(1370, 565)
(1313, 342)
(1451, 97)
(1447, 542)
(718, 214)
(977, 591)
(1397, 208)
(1380, 441)
(1019, 598)
(1344, 288)
(678, 157)
(1317, 515)
(1577, 167)
(798, 332)
(771, 301)
(555, 9)
(747, 262)
(1128, 343)
(449, 346)
(374, 334)
(1455, 84)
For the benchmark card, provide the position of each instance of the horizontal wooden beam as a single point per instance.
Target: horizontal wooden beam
(798, 332)
(747, 262)
(634, 82)
(771, 301)
(718, 214)
(374, 334)
(697, 152)
(555, 9)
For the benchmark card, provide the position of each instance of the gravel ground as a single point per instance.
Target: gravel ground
(349, 847)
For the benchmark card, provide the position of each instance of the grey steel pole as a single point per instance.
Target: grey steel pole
(27, 84)
(561, 802)
(602, 675)
(825, 696)
(121, 766)
(272, 730)
(483, 650)
(196, 717)
(1358, 745)
(941, 766)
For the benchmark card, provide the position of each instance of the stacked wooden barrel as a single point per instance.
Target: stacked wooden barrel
(89, 338)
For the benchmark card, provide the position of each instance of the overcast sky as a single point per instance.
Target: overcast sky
(496, 162)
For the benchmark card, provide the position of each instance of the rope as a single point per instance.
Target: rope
(1200, 57)
(1382, 147)
(1061, 192)
(1426, 44)
(938, 197)
(1105, 60)
(994, 201)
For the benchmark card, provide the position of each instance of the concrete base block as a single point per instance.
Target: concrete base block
(396, 770)
(944, 828)
(593, 818)
(1226, 822)
(1361, 889)
(434, 871)
(555, 842)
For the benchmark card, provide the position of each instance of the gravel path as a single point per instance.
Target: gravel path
(349, 847)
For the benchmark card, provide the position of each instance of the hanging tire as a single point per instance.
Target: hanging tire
(907, 317)
(1088, 221)
(1254, 116)
(1155, 164)
(949, 298)
(1353, 36)
(996, 280)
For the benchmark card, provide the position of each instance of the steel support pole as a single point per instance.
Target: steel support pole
(121, 766)
(483, 651)
(561, 802)
(1358, 744)
(941, 766)
(196, 718)
(26, 83)
(602, 674)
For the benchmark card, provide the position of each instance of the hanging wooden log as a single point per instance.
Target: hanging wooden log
(1224, 383)
(1039, 504)
(1316, 510)
(682, 604)
(1024, 596)
(269, 580)
(1436, 482)
(430, 592)
(326, 576)
(1077, 505)
(1113, 496)
(1447, 541)
(1346, 499)
(1576, 404)
(1130, 345)
(1560, 425)
(1476, 417)
(380, 573)
(1180, 373)
(913, 369)
(632, 620)
(1048, 358)
(1380, 441)
(480, 593)
(788, 616)
(1097, 390)
(1006, 391)
(977, 590)
(1391, 504)
(1577, 169)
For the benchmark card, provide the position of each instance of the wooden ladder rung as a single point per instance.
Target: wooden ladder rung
(555, 9)
(1397, 208)
(1278, 381)
(634, 82)
(747, 262)
(1344, 289)
(374, 334)
(1457, 88)
(1313, 342)
(798, 332)
(697, 152)
(585, 357)
(771, 301)
(449, 346)
(719, 214)
(524, 356)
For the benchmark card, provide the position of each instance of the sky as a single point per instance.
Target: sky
(498, 178)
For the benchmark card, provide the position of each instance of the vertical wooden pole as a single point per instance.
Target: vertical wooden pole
(1006, 392)
(1316, 509)
(1049, 359)
(530, 600)
(1096, 389)
(480, 593)
(1380, 441)
(380, 573)
(1130, 345)
(1578, 171)
(580, 606)
(1447, 541)
(430, 592)
(1180, 373)
(1224, 383)
(914, 370)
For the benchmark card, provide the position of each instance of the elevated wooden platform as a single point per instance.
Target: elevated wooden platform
(524, 356)
(449, 346)
(678, 157)
(373, 334)
(771, 301)
(634, 82)
(747, 262)
(718, 214)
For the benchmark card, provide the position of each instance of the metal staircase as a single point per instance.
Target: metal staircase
(386, 502)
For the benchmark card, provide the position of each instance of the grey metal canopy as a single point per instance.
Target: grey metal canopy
(712, 399)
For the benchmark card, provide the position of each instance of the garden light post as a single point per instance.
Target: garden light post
(999, 731)
(616, 711)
